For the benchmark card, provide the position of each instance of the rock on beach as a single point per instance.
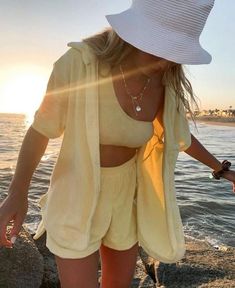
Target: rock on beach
(21, 266)
(31, 265)
(203, 266)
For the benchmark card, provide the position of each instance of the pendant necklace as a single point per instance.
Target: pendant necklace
(135, 99)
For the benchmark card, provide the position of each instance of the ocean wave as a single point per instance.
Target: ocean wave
(206, 206)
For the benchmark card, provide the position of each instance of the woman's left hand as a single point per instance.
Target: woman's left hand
(230, 176)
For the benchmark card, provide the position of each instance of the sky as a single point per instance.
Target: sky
(34, 34)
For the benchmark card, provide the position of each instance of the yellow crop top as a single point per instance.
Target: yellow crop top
(116, 126)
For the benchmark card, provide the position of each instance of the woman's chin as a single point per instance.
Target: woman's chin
(152, 72)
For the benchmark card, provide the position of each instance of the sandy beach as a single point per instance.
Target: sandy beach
(216, 121)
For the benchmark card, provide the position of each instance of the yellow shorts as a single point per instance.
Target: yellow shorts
(114, 223)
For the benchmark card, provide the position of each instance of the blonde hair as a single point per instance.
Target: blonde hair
(110, 48)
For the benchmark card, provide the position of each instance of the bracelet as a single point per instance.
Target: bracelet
(225, 167)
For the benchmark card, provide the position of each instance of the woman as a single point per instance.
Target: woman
(120, 99)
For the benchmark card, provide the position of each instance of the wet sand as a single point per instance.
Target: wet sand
(218, 123)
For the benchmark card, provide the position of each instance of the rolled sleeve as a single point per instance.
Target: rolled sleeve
(183, 129)
(50, 118)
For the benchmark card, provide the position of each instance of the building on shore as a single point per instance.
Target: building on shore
(227, 113)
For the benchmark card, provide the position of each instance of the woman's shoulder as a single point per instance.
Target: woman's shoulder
(73, 63)
(75, 58)
(81, 50)
(79, 53)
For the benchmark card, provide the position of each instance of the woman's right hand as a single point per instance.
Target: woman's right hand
(12, 209)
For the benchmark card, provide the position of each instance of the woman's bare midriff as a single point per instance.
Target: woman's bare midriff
(111, 156)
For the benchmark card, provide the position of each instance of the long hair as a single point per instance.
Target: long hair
(110, 48)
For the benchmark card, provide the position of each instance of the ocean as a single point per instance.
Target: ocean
(207, 206)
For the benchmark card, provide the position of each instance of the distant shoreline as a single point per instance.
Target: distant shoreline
(221, 121)
(12, 114)
(211, 120)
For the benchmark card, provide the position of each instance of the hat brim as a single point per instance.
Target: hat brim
(156, 40)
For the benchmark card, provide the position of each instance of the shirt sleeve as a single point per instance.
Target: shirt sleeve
(183, 129)
(50, 118)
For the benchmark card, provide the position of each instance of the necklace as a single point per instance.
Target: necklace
(135, 99)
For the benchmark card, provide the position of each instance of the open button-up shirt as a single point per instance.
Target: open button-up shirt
(70, 107)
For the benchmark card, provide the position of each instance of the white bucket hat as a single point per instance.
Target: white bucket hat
(169, 29)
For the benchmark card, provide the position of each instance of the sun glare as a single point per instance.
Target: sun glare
(24, 89)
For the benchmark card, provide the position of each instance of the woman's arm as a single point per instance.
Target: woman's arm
(31, 152)
(15, 206)
(199, 152)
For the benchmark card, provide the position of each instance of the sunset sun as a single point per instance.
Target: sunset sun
(23, 89)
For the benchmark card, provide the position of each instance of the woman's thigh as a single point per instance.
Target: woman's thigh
(78, 273)
(118, 267)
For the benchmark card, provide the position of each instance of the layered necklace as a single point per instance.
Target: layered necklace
(135, 99)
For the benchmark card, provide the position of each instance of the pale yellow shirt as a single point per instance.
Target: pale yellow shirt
(71, 107)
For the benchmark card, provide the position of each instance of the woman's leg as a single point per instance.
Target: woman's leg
(78, 273)
(118, 267)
